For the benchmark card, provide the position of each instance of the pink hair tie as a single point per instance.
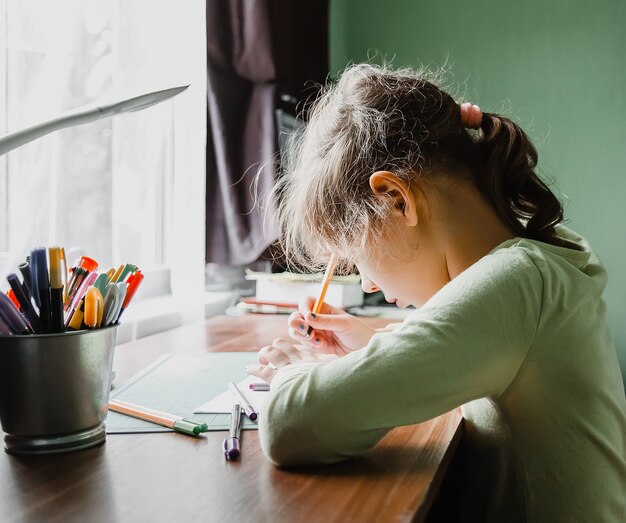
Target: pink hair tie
(471, 115)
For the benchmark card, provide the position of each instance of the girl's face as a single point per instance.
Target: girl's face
(435, 231)
(409, 269)
(408, 264)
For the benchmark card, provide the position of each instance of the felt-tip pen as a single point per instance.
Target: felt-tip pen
(248, 410)
(260, 387)
(24, 300)
(56, 290)
(231, 445)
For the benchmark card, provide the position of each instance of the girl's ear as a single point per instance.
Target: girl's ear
(387, 184)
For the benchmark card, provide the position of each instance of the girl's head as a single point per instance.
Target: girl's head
(387, 176)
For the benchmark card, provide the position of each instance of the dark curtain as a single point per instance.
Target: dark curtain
(261, 55)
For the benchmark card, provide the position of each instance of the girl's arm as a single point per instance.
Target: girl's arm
(467, 342)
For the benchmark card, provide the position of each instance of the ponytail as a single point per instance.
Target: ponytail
(508, 179)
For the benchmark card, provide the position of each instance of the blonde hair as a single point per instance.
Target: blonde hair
(375, 118)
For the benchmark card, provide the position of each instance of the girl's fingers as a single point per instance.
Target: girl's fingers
(305, 305)
(329, 322)
(295, 320)
(265, 372)
(298, 336)
(274, 356)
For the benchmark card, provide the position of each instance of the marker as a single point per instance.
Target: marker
(184, 425)
(25, 303)
(231, 446)
(113, 299)
(76, 320)
(101, 283)
(56, 290)
(128, 269)
(24, 268)
(248, 410)
(41, 286)
(85, 267)
(117, 273)
(330, 269)
(134, 281)
(12, 317)
(4, 328)
(13, 298)
(79, 294)
(260, 386)
(94, 308)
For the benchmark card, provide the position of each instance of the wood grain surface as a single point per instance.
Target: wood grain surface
(167, 476)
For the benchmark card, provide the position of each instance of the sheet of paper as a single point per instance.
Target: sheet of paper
(223, 403)
(177, 383)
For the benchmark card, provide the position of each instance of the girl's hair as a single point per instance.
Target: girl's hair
(375, 118)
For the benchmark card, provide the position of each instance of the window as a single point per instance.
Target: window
(122, 189)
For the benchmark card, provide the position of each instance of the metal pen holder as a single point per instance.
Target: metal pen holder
(54, 390)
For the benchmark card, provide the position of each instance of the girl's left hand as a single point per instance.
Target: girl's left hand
(280, 354)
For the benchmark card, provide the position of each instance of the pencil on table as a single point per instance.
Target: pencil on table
(171, 421)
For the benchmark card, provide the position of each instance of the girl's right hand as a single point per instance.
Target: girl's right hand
(334, 330)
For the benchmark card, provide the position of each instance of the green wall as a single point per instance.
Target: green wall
(558, 67)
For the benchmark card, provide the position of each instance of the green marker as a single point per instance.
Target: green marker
(189, 426)
(184, 425)
(129, 267)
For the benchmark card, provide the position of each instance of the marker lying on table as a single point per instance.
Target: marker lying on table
(248, 410)
(231, 445)
(184, 425)
(260, 386)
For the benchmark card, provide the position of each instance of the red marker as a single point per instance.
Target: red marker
(134, 281)
(13, 297)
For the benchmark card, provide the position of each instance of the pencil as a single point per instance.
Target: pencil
(330, 270)
(171, 421)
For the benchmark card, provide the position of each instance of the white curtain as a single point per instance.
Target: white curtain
(105, 188)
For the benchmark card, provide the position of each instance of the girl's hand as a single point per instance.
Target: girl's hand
(334, 330)
(282, 353)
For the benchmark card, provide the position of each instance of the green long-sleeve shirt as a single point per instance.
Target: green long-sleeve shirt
(520, 340)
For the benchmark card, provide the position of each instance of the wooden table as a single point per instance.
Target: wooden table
(168, 476)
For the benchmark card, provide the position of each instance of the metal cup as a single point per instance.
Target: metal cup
(54, 390)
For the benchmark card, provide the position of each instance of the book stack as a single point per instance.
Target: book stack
(279, 292)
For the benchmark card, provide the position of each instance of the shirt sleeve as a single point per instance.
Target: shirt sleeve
(467, 342)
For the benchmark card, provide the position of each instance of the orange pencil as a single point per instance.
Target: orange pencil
(171, 421)
(330, 270)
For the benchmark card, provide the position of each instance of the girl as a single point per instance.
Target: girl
(439, 206)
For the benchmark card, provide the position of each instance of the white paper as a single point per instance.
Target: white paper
(223, 404)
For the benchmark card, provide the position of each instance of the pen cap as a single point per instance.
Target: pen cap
(11, 294)
(25, 270)
(40, 264)
(133, 284)
(94, 305)
(129, 268)
(56, 268)
(88, 263)
(231, 448)
(101, 283)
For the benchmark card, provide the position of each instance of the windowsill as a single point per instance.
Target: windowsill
(155, 315)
